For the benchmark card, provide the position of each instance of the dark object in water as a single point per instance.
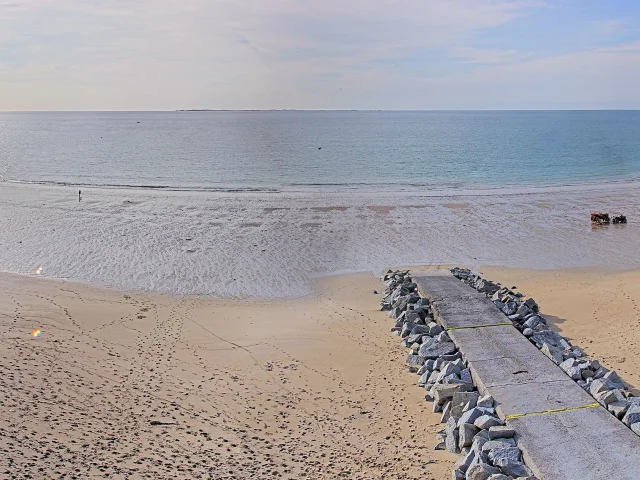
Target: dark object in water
(619, 219)
(600, 218)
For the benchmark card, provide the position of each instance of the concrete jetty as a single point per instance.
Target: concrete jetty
(563, 432)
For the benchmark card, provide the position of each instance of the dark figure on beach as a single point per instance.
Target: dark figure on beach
(79, 195)
(600, 218)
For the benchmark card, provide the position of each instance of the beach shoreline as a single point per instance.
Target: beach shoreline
(274, 245)
(346, 190)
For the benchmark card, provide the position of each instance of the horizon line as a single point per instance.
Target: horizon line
(203, 110)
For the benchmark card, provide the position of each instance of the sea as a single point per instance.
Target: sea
(259, 203)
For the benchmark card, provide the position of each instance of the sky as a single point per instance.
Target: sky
(319, 54)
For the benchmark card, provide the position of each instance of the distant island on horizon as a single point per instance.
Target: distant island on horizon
(268, 110)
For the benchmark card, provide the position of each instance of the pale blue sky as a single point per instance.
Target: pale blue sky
(366, 54)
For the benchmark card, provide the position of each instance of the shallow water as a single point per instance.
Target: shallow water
(424, 151)
(271, 245)
(314, 193)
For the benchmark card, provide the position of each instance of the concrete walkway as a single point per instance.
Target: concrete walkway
(564, 433)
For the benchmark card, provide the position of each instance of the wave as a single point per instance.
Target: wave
(424, 189)
(177, 188)
(268, 246)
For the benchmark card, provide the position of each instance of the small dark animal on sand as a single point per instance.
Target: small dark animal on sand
(600, 218)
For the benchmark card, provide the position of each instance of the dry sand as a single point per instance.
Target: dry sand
(597, 310)
(129, 385)
(309, 388)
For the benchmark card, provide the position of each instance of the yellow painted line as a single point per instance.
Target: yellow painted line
(557, 410)
(482, 326)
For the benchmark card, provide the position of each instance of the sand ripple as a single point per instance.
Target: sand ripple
(271, 245)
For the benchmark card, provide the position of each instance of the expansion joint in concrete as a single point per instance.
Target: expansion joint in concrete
(555, 410)
(482, 326)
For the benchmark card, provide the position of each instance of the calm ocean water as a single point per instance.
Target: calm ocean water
(260, 203)
(288, 150)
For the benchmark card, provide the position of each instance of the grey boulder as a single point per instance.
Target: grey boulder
(465, 376)
(415, 360)
(464, 462)
(514, 469)
(442, 393)
(499, 443)
(415, 338)
(510, 308)
(531, 303)
(432, 349)
(446, 412)
(470, 416)
(618, 408)
(451, 442)
(466, 433)
(554, 353)
(546, 336)
(610, 396)
(632, 416)
(613, 378)
(460, 399)
(502, 455)
(481, 471)
(533, 321)
(406, 329)
(434, 329)
(485, 422)
(600, 385)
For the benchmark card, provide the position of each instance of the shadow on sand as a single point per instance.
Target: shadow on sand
(556, 324)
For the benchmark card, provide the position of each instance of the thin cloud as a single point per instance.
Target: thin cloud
(485, 55)
(625, 47)
(613, 26)
(165, 54)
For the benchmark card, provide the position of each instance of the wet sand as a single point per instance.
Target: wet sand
(270, 245)
(128, 385)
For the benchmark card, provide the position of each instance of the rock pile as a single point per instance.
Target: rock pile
(472, 427)
(603, 384)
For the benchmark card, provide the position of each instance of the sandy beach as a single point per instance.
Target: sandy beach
(200, 203)
(128, 385)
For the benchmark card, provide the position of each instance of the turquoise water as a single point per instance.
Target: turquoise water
(244, 204)
(297, 150)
